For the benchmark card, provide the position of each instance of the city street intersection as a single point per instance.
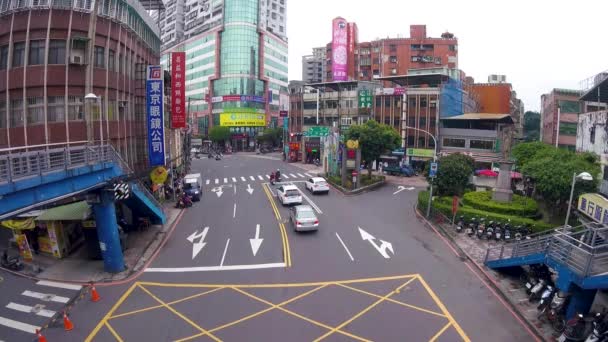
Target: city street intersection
(235, 270)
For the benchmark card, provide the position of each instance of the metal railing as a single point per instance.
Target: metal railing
(584, 251)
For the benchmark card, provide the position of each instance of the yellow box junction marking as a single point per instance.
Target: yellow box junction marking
(241, 289)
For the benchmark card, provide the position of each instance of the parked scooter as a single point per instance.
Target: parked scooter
(490, 232)
(600, 330)
(545, 298)
(10, 262)
(507, 234)
(460, 224)
(579, 327)
(498, 233)
(481, 227)
(554, 313)
(537, 290)
(471, 227)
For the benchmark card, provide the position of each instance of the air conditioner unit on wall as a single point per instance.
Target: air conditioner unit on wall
(76, 60)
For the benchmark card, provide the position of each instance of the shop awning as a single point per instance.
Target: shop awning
(72, 212)
(19, 224)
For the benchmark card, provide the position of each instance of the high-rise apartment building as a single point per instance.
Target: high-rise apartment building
(236, 66)
(313, 66)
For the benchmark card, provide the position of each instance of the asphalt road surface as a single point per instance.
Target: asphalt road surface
(235, 270)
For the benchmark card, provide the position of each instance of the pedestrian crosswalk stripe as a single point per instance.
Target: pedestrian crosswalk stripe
(292, 175)
(207, 182)
(268, 176)
(18, 325)
(252, 178)
(233, 180)
(285, 176)
(59, 285)
(308, 175)
(260, 177)
(217, 181)
(243, 179)
(301, 175)
(225, 180)
(29, 309)
(46, 297)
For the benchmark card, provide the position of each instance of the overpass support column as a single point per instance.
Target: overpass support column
(580, 302)
(107, 231)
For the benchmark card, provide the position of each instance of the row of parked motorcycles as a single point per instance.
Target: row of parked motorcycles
(552, 304)
(492, 230)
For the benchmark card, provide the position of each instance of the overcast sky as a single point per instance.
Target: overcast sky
(538, 44)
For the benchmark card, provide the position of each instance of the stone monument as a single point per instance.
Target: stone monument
(503, 192)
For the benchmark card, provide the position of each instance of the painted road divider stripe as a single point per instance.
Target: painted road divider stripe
(59, 285)
(286, 249)
(215, 268)
(29, 309)
(45, 297)
(18, 325)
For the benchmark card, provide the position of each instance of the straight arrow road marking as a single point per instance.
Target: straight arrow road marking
(256, 242)
(249, 189)
(382, 249)
(346, 248)
(224, 255)
(233, 180)
(197, 246)
(260, 177)
(243, 179)
(29, 309)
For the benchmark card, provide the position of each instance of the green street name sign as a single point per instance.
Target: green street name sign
(317, 132)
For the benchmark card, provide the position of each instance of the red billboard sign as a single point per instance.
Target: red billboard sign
(178, 90)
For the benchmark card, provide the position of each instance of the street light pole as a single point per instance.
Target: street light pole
(584, 176)
(428, 207)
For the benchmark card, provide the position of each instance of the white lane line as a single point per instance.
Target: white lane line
(285, 176)
(293, 176)
(225, 180)
(234, 187)
(301, 175)
(233, 180)
(312, 204)
(217, 181)
(59, 285)
(252, 178)
(207, 182)
(234, 211)
(18, 325)
(260, 177)
(46, 297)
(243, 179)
(307, 174)
(29, 309)
(215, 268)
(224, 255)
(346, 248)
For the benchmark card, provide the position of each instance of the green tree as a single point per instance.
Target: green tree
(453, 174)
(374, 139)
(526, 152)
(219, 134)
(271, 136)
(532, 126)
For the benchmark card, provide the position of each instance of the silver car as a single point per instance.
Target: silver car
(303, 218)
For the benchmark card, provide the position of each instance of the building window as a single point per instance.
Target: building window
(346, 121)
(411, 121)
(36, 55)
(570, 106)
(56, 108)
(3, 57)
(421, 142)
(99, 57)
(423, 102)
(16, 113)
(75, 108)
(35, 110)
(18, 54)
(567, 128)
(111, 60)
(451, 142)
(422, 122)
(387, 101)
(412, 102)
(482, 144)
(432, 123)
(378, 101)
(452, 47)
(3, 114)
(410, 140)
(121, 63)
(57, 52)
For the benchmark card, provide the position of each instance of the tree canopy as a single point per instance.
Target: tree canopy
(532, 126)
(219, 133)
(271, 136)
(453, 174)
(374, 139)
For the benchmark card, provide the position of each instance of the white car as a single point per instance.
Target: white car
(317, 184)
(289, 194)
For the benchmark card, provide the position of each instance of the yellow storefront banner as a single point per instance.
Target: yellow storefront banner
(242, 119)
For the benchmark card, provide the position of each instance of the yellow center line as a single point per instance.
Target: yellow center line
(161, 306)
(286, 248)
(180, 315)
(362, 312)
(445, 327)
(394, 301)
(444, 309)
(116, 336)
(114, 307)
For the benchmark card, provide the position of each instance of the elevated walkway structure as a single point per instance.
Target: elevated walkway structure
(38, 176)
(579, 256)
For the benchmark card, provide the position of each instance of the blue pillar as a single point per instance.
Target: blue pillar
(107, 231)
(580, 301)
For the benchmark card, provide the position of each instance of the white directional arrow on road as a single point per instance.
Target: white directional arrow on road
(402, 188)
(218, 191)
(249, 189)
(197, 246)
(256, 242)
(384, 246)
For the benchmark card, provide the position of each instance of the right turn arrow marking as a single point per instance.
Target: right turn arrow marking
(256, 242)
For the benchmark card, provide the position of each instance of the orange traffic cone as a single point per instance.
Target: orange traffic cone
(40, 337)
(67, 324)
(94, 295)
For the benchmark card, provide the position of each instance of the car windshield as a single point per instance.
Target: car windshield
(322, 183)
(306, 214)
(291, 193)
(188, 186)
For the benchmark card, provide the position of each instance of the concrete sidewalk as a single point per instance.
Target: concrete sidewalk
(77, 267)
(509, 286)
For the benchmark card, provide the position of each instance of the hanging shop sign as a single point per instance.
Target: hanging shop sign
(594, 206)
(178, 90)
(159, 175)
(155, 118)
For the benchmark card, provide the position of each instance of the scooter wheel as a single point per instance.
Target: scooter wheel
(559, 324)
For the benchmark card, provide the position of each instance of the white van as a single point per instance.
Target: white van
(193, 186)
